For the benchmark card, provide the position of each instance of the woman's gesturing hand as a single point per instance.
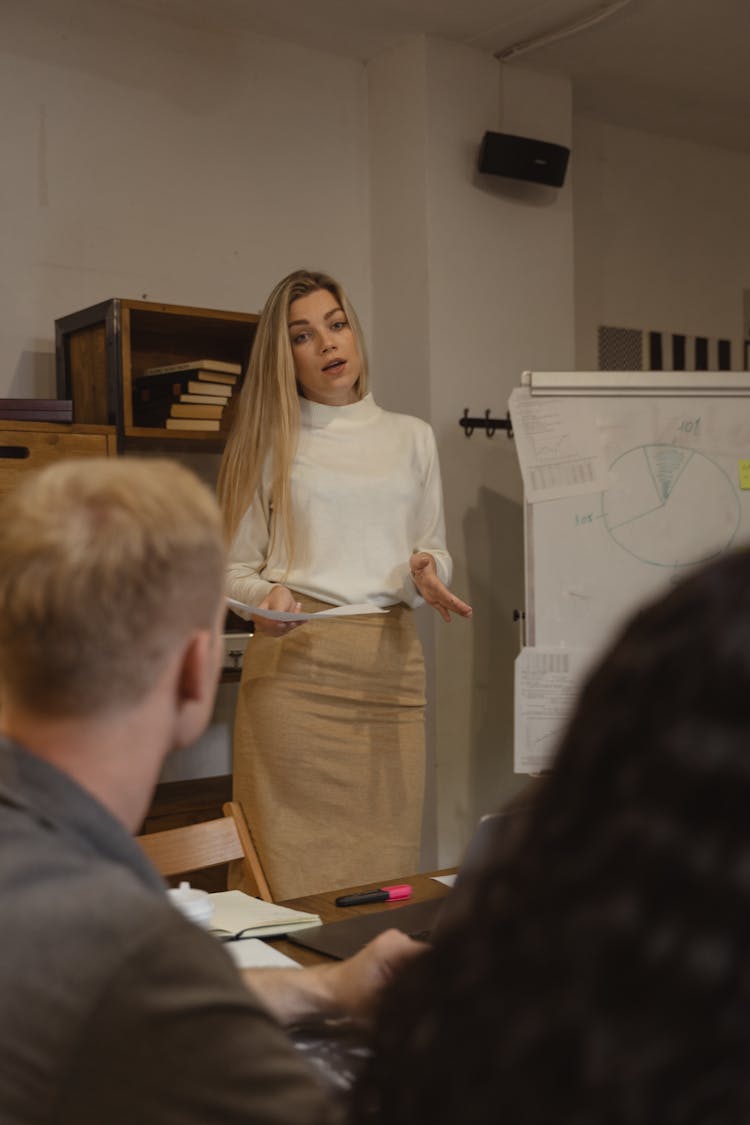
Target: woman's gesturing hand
(282, 599)
(435, 592)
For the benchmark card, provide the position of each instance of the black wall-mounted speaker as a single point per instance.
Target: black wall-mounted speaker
(521, 158)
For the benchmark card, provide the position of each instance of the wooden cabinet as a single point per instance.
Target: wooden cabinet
(25, 446)
(102, 349)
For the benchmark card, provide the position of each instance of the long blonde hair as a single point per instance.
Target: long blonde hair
(266, 422)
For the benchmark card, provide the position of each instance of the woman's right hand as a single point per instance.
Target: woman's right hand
(282, 599)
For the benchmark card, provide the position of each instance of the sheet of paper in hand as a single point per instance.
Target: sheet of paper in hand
(331, 614)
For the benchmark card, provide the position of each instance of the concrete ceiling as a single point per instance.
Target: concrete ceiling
(677, 67)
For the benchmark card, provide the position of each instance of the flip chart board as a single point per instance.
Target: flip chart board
(631, 480)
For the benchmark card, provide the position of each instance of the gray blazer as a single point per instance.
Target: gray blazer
(114, 1008)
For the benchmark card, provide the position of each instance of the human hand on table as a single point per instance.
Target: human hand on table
(282, 599)
(357, 982)
(343, 988)
(435, 592)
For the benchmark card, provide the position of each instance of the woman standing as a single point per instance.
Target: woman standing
(330, 500)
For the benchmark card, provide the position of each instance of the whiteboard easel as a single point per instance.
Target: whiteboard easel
(635, 479)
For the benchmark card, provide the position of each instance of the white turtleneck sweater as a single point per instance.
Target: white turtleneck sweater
(366, 494)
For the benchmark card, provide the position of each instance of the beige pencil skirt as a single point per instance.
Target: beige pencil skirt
(329, 751)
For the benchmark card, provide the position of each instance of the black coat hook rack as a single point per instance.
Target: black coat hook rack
(488, 424)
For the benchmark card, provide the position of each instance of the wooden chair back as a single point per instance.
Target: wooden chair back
(206, 844)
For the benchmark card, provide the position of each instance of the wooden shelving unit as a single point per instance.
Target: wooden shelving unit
(99, 352)
(102, 349)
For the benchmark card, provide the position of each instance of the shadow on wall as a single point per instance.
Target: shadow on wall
(516, 191)
(34, 376)
(497, 523)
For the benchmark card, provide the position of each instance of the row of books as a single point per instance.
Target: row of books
(195, 395)
(36, 410)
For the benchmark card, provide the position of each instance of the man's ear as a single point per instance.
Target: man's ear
(196, 687)
(196, 667)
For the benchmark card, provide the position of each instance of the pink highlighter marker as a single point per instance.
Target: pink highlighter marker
(385, 894)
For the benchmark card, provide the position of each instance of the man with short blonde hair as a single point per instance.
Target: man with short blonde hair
(106, 566)
(113, 1007)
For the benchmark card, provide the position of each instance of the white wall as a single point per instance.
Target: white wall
(197, 168)
(397, 131)
(171, 164)
(662, 239)
(400, 352)
(472, 282)
(501, 266)
(167, 162)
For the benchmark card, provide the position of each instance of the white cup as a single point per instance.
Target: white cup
(194, 904)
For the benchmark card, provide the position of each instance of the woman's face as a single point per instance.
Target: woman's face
(324, 348)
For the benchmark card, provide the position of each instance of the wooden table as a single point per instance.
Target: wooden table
(424, 887)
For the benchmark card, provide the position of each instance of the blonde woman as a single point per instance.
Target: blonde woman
(329, 500)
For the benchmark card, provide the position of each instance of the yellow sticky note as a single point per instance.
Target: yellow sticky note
(744, 471)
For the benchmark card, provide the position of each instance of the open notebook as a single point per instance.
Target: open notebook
(237, 915)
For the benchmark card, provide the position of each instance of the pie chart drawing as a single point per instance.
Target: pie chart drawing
(670, 506)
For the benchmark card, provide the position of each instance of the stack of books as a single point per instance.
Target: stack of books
(36, 409)
(195, 395)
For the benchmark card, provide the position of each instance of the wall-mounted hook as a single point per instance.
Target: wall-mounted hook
(467, 423)
(488, 424)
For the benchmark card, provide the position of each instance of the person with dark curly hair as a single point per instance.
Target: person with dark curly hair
(597, 968)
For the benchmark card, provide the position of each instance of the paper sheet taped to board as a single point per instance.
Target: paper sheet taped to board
(559, 448)
(546, 688)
